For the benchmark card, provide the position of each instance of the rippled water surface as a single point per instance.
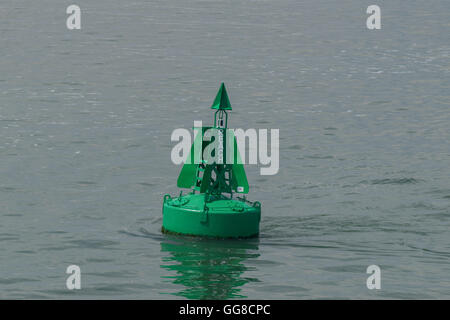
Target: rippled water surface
(85, 124)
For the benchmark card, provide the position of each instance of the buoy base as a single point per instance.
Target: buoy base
(218, 217)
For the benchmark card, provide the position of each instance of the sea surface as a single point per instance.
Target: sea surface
(86, 118)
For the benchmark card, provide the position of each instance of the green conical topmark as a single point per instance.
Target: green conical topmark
(221, 101)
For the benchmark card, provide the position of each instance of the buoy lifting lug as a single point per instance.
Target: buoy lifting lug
(167, 197)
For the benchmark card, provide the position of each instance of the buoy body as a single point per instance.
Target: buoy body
(220, 218)
(212, 209)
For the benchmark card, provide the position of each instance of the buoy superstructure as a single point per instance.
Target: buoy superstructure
(216, 205)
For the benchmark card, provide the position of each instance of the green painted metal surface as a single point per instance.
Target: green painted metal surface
(210, 210)
(221, 101)
(239, 181)
(188, 174)
(224, 218)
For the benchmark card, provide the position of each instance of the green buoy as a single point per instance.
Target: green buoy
(212, 209)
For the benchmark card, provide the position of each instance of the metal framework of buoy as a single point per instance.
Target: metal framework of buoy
(212, 209)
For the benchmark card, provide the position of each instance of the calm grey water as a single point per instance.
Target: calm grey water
(85, 124)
